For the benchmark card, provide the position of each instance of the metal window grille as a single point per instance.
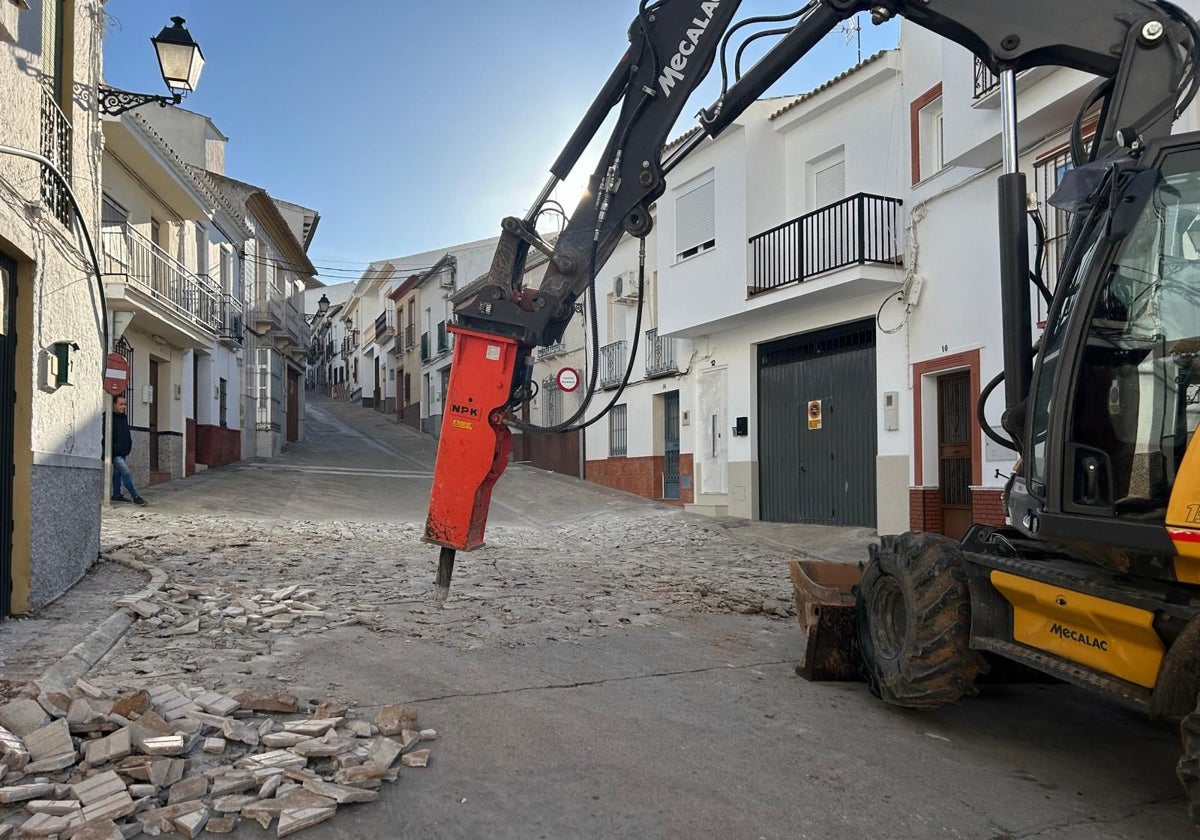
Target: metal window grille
(1048, 174)
(126, 349)
(551, 402)
(224, 402)
(56, 147)
(618, 431)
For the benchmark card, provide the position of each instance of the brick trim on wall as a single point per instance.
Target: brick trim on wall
(914, 120)
(641, 476)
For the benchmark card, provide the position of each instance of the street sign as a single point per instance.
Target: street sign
(814, 415)
(116, 374)
(568, 379)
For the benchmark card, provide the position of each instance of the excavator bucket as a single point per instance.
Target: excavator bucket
(825, 608)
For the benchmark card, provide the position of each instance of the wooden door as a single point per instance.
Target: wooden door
(153, 409)
(293, 407)
(954, 452)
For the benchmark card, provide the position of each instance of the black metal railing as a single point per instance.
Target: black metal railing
(231, 318)
(425, 347)
(660, 355)
(410, 336)
(613, 361)
(443, 338)
(857, 230)
(985, 80)
(56, 147)
(383, 324)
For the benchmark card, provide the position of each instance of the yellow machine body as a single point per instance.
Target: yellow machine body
(1113, 638)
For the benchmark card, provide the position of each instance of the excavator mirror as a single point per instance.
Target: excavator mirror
(1128, 203)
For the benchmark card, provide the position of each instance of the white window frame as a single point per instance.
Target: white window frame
(695, 208)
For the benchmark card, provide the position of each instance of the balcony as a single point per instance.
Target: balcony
(268, 314)
(56, 147)
(385, 325)
(443, 338)
(985, 80)
(660, 355)
(857, 230)
(410, 337)
(230, 325)
(141, 276)
(298, 332)
(614, 359)
(425, 347)
(369, 334)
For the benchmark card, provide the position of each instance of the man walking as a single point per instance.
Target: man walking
(122, 445)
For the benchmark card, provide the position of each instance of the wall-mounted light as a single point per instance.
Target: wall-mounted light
(180, 62)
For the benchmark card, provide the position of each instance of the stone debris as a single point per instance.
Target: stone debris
(394, 719)
(417, 758)
(119, 765)
(13, 755)
(292, 821)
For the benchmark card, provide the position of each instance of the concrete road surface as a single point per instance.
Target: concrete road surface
(604, 669)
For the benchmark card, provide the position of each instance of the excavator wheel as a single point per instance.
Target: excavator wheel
(914, 623)
(1189, 765)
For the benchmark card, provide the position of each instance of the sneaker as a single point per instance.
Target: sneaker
(140, 501)
(120, 499)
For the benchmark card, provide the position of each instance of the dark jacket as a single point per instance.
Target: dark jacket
(122, 442)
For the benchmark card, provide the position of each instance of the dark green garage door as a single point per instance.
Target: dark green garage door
(817, 427)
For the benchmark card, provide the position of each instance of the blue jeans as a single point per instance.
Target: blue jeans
(121, 476)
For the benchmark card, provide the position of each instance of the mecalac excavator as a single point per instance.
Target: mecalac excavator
(1096, 578)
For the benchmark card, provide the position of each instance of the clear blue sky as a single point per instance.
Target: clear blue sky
(408, 125)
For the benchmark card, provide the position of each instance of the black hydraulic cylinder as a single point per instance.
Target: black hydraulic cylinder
(612, 93)
(1014, 290)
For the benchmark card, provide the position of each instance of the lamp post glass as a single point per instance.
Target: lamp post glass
(179, 57)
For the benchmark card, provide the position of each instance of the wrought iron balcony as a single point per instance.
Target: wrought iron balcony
(410, 337)
(985, 80)
(149, 268)
(443, 338)
(385, 325)
(614, 359)
(299, 333)
(231, 324)
(56, 147)
(660, 355)
(854, 231)
(425, 347)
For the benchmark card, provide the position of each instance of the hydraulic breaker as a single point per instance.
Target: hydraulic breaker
(474, 446)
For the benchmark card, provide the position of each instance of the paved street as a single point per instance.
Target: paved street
(604, 668)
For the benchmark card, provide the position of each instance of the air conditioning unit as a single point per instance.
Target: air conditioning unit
(625, 286)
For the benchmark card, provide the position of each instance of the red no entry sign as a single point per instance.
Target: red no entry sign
(116, 374)
(568, 379)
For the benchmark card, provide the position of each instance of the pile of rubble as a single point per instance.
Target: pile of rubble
(182, 609)
(87, 765)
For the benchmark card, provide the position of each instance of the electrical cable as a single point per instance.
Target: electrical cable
(87, 235)
(1037, 275)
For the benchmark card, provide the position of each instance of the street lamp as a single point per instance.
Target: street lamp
(180, 61)
(322, 308)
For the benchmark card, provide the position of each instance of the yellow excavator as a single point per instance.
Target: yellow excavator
(1096, 578)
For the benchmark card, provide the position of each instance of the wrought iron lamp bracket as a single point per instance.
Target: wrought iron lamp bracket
(114, 101)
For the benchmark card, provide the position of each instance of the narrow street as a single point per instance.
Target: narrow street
(606, 667)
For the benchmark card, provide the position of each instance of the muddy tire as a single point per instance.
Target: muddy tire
(914, 623)
(1188, 769)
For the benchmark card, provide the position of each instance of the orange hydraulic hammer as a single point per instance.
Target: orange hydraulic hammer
(474, 447)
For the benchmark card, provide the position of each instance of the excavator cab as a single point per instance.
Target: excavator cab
(1116, 393)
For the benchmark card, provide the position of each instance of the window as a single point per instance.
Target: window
(407, 388)
(551, 402)
(223, 396)
(1048, 174)
(829, 180)
(695, 218)
(928, 148)
(618, 442)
